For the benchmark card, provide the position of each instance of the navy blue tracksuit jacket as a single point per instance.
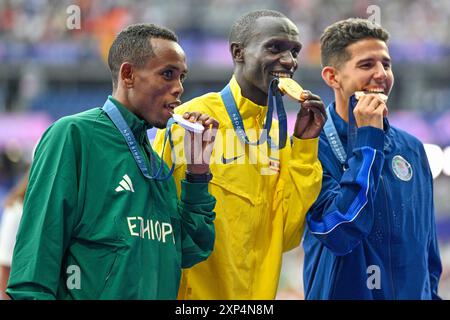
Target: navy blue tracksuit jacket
(371, 233)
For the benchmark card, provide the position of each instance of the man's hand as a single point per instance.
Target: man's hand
(370, 111)
(311, 118)
(198, 146)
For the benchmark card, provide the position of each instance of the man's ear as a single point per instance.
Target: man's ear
(331, 77)
(237, 52)
(126, 74)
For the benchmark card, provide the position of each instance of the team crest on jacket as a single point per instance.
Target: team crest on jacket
(402, 168)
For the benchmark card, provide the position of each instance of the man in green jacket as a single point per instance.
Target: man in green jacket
(102, 219)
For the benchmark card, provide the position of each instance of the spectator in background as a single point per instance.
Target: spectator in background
(371, 233)
(12, 213)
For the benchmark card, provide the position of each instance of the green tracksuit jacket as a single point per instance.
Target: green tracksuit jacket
(94, 227)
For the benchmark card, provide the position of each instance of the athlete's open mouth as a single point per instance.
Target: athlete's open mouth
(172, 105)
(282, 74)
(374, 90)
(378, 91)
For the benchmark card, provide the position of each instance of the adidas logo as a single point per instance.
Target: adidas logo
(125, 184)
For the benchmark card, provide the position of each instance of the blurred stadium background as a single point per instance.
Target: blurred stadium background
(48, 70)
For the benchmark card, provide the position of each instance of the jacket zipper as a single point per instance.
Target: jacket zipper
(389, 235)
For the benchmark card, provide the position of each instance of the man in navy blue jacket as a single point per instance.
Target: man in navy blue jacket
(371, 234)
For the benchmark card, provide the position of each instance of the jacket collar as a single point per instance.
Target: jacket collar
(247, 108)
(339, 123)
(342, 127)
(136, 124)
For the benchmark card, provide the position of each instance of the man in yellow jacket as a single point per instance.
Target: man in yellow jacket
(263, 190)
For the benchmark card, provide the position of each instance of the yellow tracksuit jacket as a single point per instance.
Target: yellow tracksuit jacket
(262, 199)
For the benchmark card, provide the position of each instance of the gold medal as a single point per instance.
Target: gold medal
(291, 88)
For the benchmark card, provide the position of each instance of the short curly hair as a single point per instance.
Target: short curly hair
(132, 44)
(242, 29)
(338, 36)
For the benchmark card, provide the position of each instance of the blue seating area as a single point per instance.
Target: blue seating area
(62, 102)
